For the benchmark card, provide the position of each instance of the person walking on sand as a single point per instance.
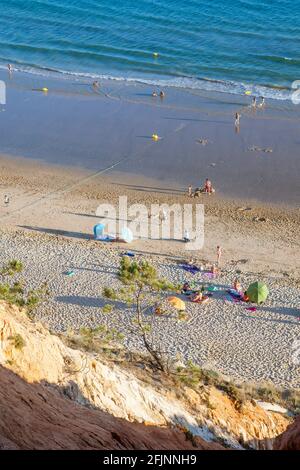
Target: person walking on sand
(6, 200)
(219, 255)
(237, 122)
(263, 102)
(190, 190)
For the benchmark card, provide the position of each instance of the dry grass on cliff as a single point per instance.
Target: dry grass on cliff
(191, 376)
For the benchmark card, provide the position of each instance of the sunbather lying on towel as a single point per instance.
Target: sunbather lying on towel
(199, 298)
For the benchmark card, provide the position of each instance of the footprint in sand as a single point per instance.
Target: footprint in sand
(203, 142)
(260, 149)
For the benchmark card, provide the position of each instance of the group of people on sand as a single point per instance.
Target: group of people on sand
(198, 295)
(207, 188)
(161, 94)
(195, 295)
(260, 105)
(254, 105)
(201, 296)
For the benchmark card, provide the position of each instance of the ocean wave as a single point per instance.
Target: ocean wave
(279, 59)
(183, 82)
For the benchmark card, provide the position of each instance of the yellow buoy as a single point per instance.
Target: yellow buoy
(45, 89)
(248, 92)
(155, 137)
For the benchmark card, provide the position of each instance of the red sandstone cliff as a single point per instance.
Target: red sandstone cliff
(95, 404)
(290, 439)
(34, 416)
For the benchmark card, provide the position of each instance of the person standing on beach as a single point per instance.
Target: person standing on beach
(162, 215)
(254, 102)
(190, 190)
(10, 68)
(186, 237)
(219, 254)
(96, 85)
(6, 200)
(237, 122)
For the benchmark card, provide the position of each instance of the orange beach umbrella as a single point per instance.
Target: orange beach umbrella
(176, 303)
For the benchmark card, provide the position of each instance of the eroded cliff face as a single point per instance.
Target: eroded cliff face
(34, 416)
(290, 439)
(78, 378)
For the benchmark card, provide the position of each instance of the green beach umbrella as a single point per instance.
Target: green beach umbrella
(257, 292)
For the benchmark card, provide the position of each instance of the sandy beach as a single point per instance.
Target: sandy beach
(149, 228)
(69, 150)
(111, 128)
(48, 225)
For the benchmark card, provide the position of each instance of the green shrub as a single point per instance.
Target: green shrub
(18, 341)
(96, 339)
(12, 267)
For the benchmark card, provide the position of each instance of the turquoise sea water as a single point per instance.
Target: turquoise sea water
(225, 45)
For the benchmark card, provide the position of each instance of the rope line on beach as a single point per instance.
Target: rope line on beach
(82, 180)
(74, 185)
(103, 170)
(64, 190)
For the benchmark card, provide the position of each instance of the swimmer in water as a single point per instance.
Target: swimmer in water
(254, 102)
(10, 68)
(161, 94)
(154, 94)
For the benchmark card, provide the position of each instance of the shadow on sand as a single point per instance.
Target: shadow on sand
(58, 232)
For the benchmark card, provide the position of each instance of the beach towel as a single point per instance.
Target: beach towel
(231, 299)
(235, 294)
(70, 273)
(209, 275)
(106, 238)
(190, 268)
(128, 253)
